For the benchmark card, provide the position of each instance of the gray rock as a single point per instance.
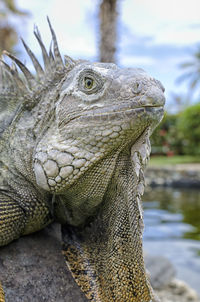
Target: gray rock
(161, 271)
(179, 176)
(32, 269)
(177, 291)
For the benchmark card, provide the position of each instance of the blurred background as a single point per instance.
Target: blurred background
(162, 37)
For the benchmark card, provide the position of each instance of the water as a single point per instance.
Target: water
(172, 229)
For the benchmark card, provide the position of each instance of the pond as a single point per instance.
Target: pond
(172, 229)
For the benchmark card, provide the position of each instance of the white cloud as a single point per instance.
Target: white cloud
(137, 61)
(78, 46)
(183, 36)
(166, 21)
(72, 22)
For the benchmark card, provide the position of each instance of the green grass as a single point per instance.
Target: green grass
(177, 159)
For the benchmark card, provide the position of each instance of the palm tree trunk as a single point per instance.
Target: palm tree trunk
(108, 32)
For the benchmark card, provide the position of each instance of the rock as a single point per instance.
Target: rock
(161, 271)
(33, 269)
(180, 176)
(177, 291)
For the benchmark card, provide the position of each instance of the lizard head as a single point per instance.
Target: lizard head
(100, 109)
(103, 96)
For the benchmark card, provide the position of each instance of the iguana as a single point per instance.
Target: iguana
(74, 141)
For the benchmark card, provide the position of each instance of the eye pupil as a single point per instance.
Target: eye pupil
(88, 83)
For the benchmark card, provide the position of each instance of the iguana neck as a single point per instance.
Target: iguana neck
(110, 245)
(83, 199)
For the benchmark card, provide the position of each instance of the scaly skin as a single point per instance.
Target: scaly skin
(2, 297)
(74, 142)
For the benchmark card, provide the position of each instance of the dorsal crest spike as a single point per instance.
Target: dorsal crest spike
(36, 64)
(28, 75)
(13, 75)
(28, 89)
(14, 67)
(45, 56)
(57, 55)
(51, 56)
(69, 62)
(5, 74)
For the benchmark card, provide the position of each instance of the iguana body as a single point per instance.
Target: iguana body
(74, 142)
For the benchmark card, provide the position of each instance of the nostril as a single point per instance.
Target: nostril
(136, 87)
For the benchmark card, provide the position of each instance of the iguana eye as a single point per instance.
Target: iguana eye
(88, 82)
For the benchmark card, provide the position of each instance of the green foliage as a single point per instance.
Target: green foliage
(173, 160)
(188, 126)
(178, 134)
(165, 139)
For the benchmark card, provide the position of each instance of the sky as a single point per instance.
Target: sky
(152, 34)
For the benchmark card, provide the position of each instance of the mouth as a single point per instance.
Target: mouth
(118, 112)
(123, 111)
(132, 105)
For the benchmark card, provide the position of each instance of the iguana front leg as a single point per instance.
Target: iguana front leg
(106, 257)
(16, 221)
(12, 221)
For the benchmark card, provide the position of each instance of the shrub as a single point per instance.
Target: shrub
(188, 126)
(166, 140)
